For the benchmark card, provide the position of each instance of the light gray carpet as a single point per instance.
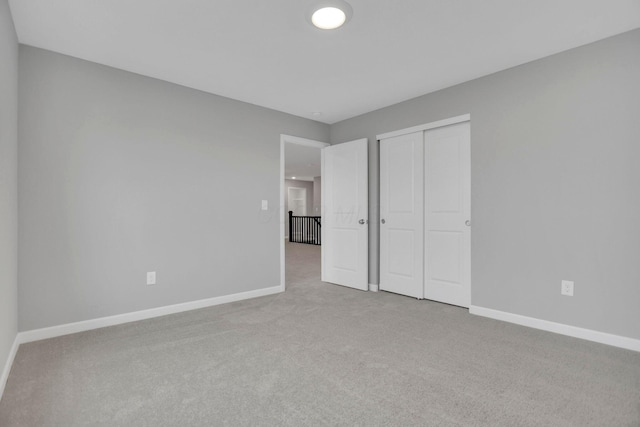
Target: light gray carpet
(321, 354)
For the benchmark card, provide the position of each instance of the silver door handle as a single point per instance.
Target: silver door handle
(467, 223)
(382, 220)
(362, 221)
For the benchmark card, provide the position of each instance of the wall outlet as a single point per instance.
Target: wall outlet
(566, 288)
(151, 277)
(265, 205)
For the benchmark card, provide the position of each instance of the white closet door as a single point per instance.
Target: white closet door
(401, 214)
(345, 230)
(447, 214)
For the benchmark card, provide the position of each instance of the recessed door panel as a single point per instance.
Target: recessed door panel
(399, 264)
(443, 174)
(345, 253)
(445, 256)
(345, 171)
(400, 183)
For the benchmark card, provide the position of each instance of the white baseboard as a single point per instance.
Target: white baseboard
(8, 364)
(373, 288)
(86, 325)
(559, 328)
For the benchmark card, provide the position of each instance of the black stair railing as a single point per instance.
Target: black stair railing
(304, 229)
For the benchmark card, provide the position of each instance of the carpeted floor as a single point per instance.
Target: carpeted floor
(321, 354)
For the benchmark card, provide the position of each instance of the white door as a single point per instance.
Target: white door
(401, 214)
(345, 231)
(447, 214)
(298, 201)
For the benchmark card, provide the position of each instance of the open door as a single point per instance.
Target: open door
(345, 222)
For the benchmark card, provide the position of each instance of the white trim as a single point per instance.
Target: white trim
(432, 125)
(303, 141)
(86, 325)
(373, 288)
(292, 140)
(8, 364)
(558, 328)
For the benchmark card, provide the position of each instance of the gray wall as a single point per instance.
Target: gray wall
(317, 196)
(121, 174)
(555, 150)
(8, 183)
(310, 196)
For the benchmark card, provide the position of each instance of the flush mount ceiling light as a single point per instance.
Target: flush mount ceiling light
(330, 14)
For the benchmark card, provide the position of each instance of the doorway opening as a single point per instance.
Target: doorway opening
(301, 207)
(297, 200)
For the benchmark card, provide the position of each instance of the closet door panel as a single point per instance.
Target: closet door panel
(402, 214)
(447, 212)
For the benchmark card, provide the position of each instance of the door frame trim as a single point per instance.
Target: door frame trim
(421, 128)
(299, 141)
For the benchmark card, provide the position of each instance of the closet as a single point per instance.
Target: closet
(425, 197)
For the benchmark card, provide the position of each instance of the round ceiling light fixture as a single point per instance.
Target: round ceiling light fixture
(329, 14)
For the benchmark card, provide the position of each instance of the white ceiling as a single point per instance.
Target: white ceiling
(301, 161)
(265, 52)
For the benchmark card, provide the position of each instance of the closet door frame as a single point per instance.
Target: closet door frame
(423, 128)
(440, 123)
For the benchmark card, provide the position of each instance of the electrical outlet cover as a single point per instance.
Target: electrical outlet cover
(151, 278)
(566, 288)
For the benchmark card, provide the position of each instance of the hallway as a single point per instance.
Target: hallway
(302, 265)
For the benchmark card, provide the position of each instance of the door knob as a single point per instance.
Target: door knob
(382, 220)
(362, 221)
(467, 223)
